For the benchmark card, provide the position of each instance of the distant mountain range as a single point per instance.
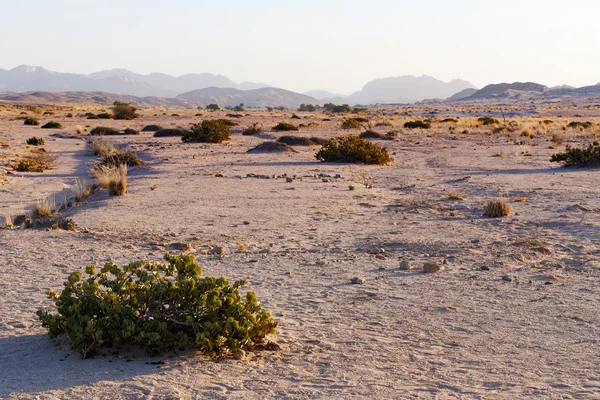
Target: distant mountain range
(521, 91)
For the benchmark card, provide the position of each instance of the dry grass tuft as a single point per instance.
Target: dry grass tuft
(113, 178)
(44, 208)
(8, 222)
(99, 147)
(456, 196)
(496, 208)
(82, 189)
(79, 129)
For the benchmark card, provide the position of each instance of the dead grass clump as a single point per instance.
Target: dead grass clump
(79, 129)
(284, 126)
(496, 208)
(44, 208)
(99, 147)
(253, 129)
(350, 123)
(113, 178)
(82, 189)
(456, 196)
(558, 138)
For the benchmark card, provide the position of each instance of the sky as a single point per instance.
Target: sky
(334, 45)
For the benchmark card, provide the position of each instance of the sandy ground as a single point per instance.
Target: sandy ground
(461, 333)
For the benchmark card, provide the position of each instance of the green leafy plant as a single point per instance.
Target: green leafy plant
(417, 125)
(575, 156)
(124, 111)
(354, 150)
(52, 125)
(31, 121)
(157, 306)
(35, 141)
(209, 131)
(90, 115)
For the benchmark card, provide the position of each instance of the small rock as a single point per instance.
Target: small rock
(180, 246)
(239, 355)
(289, 180)
(217, 250)
(380, 257)
(431, 268)
(485, 268)
(507, 278)
(357, 281)
(406, 265)
(246, 222)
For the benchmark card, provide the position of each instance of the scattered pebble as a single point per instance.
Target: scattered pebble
(357, 281)
(431, 268)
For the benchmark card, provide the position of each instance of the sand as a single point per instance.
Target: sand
(526, 325)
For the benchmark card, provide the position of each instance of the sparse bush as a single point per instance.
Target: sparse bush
(209, 131)
(496, 208)
(31, 121)
(168, 133)
(121, 158)
(383, 124)
(112, 177)
(234, 115)
(99, 147)
(575, 156)
(69, 115)
(417, 125)
(28, 166)
(285, 126)
(35, 141)
(227, 122)
(488, 121)
(350, 123)
(157, 306)
(79, 129)
(253, 129)
(213, 107)
(353, 149)
(52, 125)
(558, 138)
(104, 130)
(36, 162)
(151, 128)
(124, 111)
(580, 125)
(104, 115)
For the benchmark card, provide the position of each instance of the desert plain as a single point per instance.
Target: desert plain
(513, 312)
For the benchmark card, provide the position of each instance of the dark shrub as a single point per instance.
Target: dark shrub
(234, 115)
(104, 116)
(213, 107)
(157, 306)
(151, 128)
(253, 129)
(69, 115)
(488, 121)
(104, 130)
(31, 121)
(124, 111)
(344, 108)
(130, 131)
(90, 115)
(122, 158)
(369, 134)
(449, 120)
(294, 116)
(297, 141)
(574, 156)
(227, 122)
(168, 133)
(285, 126)
(52, 125)
(35, 141)
(209, 131)
(239, 108)
(417, 124)
(354, 150)
(579, 124)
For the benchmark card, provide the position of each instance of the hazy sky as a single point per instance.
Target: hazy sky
(336, 45)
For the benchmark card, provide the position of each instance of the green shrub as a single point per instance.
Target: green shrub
(31, 121)
(417, 125)
(209, 131)
(213, 107)
(104, 115)
(157, 306)
(354, 150)
(122, 158)
(168, 133)
(350, 123)
(574, 156)
(488, 121)
(579, 124)
(253, 129)
(29, 166)
(52, 125)
(151, 128)
(104, 130)
(124, 111)
(285, 126)
(35, 141)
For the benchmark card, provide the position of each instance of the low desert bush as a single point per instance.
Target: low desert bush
(36, 162)
(168, 133)
(253, 129)
(580, 125)
(43, 208)
(449, 120)
(285, 126)
(112, 177)
(350, 123)
(52, 125)
(353, 149)
(105, 115)
(496, 208)
(130, 131)
(124, 111)
(99, 147)
(82, 189)
(558, 138)
(369, 134)
(121, 158)
(234, 115)
(581, 157)
(299, 141)
(35, 141)
(152, 128)
(294, 116)
(213, 107)
(104, 130)
(417, 125)
(227, 122)
(209, 131)
(159, 307)
(488, 121)
(28, 166)
(90, 115)
(31, 121)
(383, 124)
